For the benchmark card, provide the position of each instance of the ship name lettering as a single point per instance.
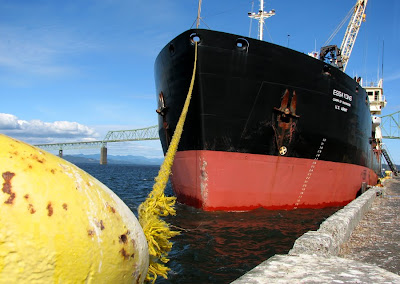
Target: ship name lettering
(341, 94)
(341, 102)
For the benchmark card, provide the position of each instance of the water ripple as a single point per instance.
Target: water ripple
(213, 247)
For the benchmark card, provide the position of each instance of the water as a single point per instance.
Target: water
(213, 247)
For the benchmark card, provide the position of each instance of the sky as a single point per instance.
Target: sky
(73, 70)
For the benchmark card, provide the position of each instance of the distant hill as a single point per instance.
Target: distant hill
(111, 159)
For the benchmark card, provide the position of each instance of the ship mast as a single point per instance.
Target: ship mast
(260, 16)
(198, 15)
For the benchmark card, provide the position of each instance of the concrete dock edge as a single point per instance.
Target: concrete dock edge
(313, 258)
(336, 229)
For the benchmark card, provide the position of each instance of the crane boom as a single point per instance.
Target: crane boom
(352, 31)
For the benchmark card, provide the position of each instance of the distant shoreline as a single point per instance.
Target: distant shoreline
(124, 160)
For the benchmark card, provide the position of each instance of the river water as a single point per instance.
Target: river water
(213, 247)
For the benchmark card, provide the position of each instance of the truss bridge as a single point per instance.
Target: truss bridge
(142, 134)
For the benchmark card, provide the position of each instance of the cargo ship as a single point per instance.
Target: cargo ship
(267, 126)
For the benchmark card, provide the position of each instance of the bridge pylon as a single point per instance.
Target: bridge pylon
(103, 155)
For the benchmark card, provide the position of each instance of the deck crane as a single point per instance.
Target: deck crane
(341, 55)
(352, 31)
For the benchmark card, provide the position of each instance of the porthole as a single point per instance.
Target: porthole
(171, 49)
(195, 38)
(242, 44)
(326, 70)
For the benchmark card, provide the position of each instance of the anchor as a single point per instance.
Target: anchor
(286, 121)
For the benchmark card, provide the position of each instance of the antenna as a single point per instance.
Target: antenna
(383, 49)
(251, 20)
(377, 76)
(260, 16)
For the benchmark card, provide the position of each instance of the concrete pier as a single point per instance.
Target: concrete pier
(103, 155)
(376, 239)
(332, 254)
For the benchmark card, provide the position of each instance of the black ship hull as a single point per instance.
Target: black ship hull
(267, 126)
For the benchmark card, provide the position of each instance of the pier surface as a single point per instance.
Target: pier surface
(376, 239)
(358, 244)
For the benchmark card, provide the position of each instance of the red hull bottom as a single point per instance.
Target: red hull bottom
(227, 181)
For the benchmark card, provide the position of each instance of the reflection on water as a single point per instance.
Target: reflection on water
(213, 247)
(219, 247)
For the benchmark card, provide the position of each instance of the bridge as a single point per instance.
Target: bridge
(148, 133)
(390, 125)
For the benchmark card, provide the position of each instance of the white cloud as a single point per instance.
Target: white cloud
(8, 121)
(34, 129)
(40, 50)
(394, 76)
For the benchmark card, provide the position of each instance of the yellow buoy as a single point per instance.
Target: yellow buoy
(59, 224)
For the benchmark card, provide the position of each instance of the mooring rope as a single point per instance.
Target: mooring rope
(157, 205)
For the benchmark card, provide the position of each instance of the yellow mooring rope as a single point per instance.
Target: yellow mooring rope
(157, 231)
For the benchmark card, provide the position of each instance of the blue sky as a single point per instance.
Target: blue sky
(72, 70)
